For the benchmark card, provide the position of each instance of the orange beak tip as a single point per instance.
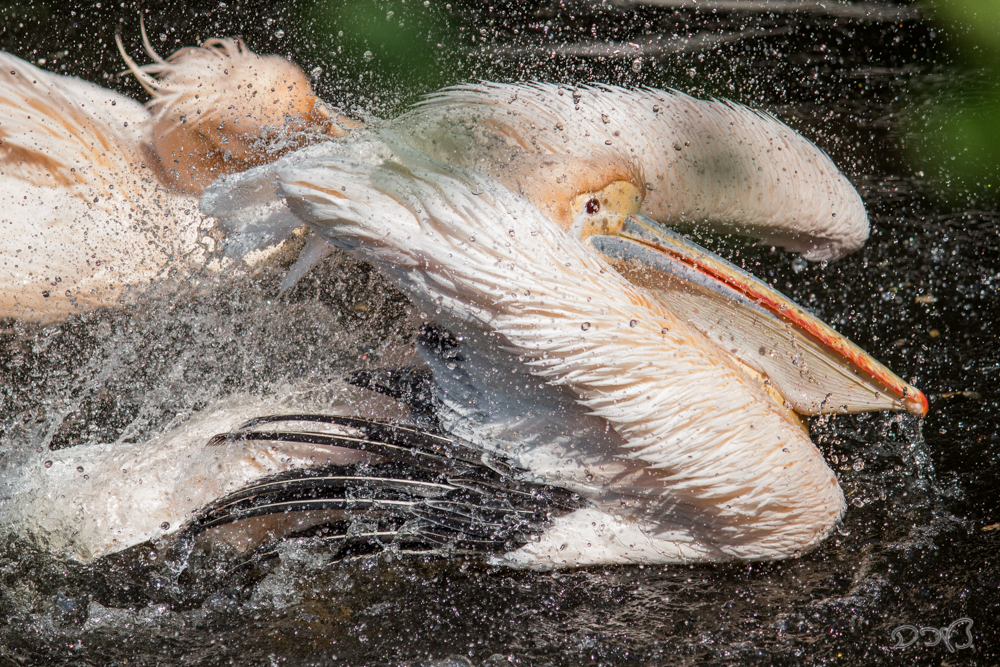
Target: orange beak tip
(916, 404)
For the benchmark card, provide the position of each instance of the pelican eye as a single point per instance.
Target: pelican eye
(593, 205)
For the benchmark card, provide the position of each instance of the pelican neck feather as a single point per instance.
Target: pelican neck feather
(706, 162)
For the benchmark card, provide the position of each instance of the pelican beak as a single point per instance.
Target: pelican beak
(332, 123)
(816, 369)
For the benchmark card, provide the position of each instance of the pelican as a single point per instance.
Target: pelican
(604, 390)
(99, 193)
(542, 264)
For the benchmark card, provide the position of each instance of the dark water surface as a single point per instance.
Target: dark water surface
(920, 544)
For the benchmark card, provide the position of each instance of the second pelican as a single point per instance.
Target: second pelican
(99, 195)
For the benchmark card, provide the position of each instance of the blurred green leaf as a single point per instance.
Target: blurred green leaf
(974, 22)
(953, 135)
(403, 48)
(956, 143)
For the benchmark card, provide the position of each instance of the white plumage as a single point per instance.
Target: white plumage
(81, 209)
(712, 467)
(705, 161)
(97, 195)
(473, 203)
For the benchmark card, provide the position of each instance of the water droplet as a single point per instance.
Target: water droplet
(585, 326)
(103, 330)
(316, 72)
(79, 468)
(165, 525)
(637, 65)
(633, 323)
(279, 34)
(472, 239)
(511, 232)
(48, 464)
(369, 55)
(664, 330)
(799, 265)
(859, 465)
(605, 118)
(590, 478)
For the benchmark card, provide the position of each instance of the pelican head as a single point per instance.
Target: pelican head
(600, 200)
(220, 108)
(716, 164)
(605, 211)
(578, 195)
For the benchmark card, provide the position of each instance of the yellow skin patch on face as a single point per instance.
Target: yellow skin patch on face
(604, 212)
(554, 183)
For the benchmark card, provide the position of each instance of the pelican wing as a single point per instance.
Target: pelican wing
(419, 492)
(256, 217)
(725, 469)
(485, 395)
(80, 210)
(62, 131)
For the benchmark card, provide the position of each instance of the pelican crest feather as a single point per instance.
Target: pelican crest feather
(220, 108)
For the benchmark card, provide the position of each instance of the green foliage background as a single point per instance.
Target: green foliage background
(955, 120)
